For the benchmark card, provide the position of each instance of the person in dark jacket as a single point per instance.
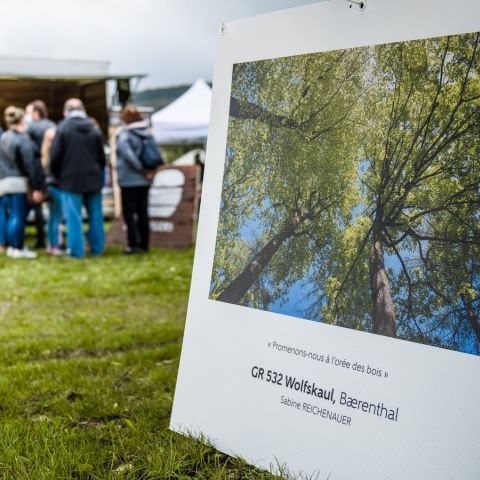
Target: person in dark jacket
(36, 115)
(18, 172)
(134, 180)
(77, 161)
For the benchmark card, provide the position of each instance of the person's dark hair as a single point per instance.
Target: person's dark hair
(13, 115)
(40, 107)
(130, 114)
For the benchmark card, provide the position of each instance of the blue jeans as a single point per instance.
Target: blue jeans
(17, 206)
(3, 221)
(72, 210)
(54, 216)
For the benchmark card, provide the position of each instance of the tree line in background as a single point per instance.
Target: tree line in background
(353, 177)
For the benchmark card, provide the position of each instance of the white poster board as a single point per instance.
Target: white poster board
(354, 384)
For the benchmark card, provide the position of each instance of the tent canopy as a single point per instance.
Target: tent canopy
(186, 119)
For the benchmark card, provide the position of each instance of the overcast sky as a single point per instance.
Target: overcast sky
(173, 41)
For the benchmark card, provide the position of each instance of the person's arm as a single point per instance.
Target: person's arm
(47, 147)
(56, 153)
(126, 151)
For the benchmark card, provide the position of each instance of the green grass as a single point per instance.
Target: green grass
(89, 354)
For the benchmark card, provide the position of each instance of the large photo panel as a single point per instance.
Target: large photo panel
(333, 320)
(351, 190)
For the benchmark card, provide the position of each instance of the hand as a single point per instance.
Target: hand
(49, 134)
(37, 196)
(150, 174)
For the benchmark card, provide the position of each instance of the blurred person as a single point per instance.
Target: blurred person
(3, 218)
(3, 224)
(54, 236)
(18, 172)
(36, 116)
(77, 161)
(134, 180)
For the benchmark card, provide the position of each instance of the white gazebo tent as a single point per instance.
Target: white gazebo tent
(185, 120)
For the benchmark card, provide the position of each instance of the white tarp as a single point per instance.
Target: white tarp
(186, 119)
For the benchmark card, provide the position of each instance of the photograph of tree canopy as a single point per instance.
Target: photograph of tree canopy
(351, 190)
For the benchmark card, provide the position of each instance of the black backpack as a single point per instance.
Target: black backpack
(149, 155)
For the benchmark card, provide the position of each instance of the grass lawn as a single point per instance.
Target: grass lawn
(89, 353)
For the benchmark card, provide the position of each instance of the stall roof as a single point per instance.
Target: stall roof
(58, 69)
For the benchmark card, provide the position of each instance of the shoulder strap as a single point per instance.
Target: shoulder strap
(129, 134)
(139, 135)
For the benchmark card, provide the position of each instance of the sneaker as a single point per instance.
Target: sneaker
(131, 251)
(55, 251)
(20, 253)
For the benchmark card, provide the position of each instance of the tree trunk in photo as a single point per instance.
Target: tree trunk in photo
(237, 289)
(383, 310)
(472, 316)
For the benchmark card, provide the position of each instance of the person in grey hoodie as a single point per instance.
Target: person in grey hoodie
(134, 180)
(19, 172)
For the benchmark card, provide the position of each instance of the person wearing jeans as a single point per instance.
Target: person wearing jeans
(77, 161)
(17, 207)
(55, 214)
(36, 115)
(54, 220)
(19, 170)
(72, 209)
